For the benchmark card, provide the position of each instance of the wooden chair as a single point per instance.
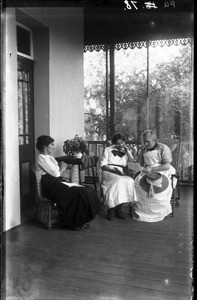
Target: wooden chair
(101, 196)
(89, 163)
(175, 178)
(47, 211)
(174, 145)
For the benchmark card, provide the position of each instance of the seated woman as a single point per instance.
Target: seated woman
(78, 204)
(117, 187)
(153, 184)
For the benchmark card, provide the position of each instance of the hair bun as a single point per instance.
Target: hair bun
(43, 141)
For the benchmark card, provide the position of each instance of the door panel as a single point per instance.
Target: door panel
(26, 132)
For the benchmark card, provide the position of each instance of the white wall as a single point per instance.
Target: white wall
(66, 94)
(67, 100)
(41, 81)
(10, 123)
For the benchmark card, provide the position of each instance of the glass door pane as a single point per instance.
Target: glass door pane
(95, 95)
(130, 91)
(23, 107)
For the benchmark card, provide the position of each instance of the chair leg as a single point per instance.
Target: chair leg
(177, 195)
(178, 192)
(93, 175)
(36, 212)
(178, 188)
(102, 197)
(49, 225)
(173, 201)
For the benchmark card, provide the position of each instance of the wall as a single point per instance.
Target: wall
(41, 81)
(10, 123)
(66, 94)
(67, 68)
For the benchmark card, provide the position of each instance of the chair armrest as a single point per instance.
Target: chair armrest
(177, 175)
(174, 179)
(45, 200)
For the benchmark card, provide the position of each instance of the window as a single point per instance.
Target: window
(24, 41)
(24, 97)
(95, 95)
(153, 85)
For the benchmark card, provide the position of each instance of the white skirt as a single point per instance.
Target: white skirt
(153, 209)
(117, 189)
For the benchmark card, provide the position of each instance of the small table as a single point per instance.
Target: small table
(84, 163)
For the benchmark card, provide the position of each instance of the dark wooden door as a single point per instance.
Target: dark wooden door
(26, 133)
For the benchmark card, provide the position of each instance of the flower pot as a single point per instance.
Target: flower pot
(78, 155)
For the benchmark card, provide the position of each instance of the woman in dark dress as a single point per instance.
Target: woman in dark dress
(78, 204)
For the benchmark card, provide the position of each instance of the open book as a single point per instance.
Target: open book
(70, 184)
(134, 166)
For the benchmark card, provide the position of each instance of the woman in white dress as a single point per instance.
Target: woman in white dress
(155, 158)
(117, 187)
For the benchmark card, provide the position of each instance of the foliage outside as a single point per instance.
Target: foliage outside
(169, 93)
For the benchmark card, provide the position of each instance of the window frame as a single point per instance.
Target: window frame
(31, 41)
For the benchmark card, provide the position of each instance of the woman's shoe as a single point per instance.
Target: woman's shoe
(86, 226)
(77, 228)
(109, 214)
(120, 216)
(118, 212)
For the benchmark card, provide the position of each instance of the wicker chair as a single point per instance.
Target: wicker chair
(174, 145)
(47, 211)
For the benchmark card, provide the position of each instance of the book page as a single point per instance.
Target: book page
(70, 184)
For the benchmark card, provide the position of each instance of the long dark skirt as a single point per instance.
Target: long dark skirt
(78, 205)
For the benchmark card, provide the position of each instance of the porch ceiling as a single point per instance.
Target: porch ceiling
(114, 25)
(110, 21)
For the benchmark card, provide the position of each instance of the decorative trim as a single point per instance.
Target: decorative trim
(97, 48)
(170, 42)
(139, 45)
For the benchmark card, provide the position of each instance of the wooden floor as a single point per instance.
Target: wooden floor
(118, 260)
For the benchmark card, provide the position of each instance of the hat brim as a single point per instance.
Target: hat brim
(145, 186)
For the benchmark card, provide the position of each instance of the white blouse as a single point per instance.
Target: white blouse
(109, 158)
(48, 164)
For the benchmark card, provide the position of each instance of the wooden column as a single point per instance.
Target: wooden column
(112, 91)
(192, 93)
(147, 95)
(107, 93)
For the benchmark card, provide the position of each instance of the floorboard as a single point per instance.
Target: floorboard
(118, 260)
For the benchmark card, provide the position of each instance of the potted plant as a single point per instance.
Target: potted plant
(75, 147)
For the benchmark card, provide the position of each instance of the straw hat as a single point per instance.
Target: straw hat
(156, 181)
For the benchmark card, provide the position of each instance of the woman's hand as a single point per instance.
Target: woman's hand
(125, 148)
(133, 150)
(65, 179)
(147, 170)
(159, 168)
(63, 166)
(128, 153)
